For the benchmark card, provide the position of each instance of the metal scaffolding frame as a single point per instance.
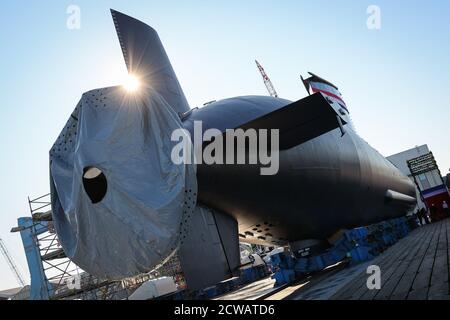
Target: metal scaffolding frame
(59, 269)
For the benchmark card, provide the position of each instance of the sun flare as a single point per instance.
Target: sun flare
(131, 83)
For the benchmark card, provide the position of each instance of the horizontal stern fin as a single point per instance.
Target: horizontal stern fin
(300, 121)
(394, 196)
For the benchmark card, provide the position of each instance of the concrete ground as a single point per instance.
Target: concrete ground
(417, 267)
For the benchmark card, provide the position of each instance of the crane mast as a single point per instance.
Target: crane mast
(266, 80)
(11, 263)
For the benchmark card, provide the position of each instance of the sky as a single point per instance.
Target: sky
(394, 79)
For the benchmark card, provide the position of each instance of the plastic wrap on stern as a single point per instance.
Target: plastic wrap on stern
(120, 205)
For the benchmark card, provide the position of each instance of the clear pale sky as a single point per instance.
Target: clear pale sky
(395, 80)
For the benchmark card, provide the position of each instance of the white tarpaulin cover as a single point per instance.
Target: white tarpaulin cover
(132, 207)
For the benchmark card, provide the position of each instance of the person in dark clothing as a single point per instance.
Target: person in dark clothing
(417, 214)
(445, 208)
(433, 212)
(427, 217)
(421, 215)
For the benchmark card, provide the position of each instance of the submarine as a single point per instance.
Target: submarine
(121, 206)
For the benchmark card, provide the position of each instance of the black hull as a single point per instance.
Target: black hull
(324, 185)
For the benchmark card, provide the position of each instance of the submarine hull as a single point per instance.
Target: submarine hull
(329, 183)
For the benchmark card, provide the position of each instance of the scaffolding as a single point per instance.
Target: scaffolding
(59, 270)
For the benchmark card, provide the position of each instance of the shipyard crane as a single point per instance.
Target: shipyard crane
(267, 81)
(11, 263)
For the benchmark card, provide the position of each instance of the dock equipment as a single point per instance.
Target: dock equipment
(246, 276)
(415, 268)
(359, 244)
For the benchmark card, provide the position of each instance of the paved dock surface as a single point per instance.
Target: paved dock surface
(250, 291)
(415, 268)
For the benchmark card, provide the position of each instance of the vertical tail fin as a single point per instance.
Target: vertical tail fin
(146, 58)
(315, 84)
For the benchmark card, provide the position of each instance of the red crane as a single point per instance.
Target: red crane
(267, 81)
